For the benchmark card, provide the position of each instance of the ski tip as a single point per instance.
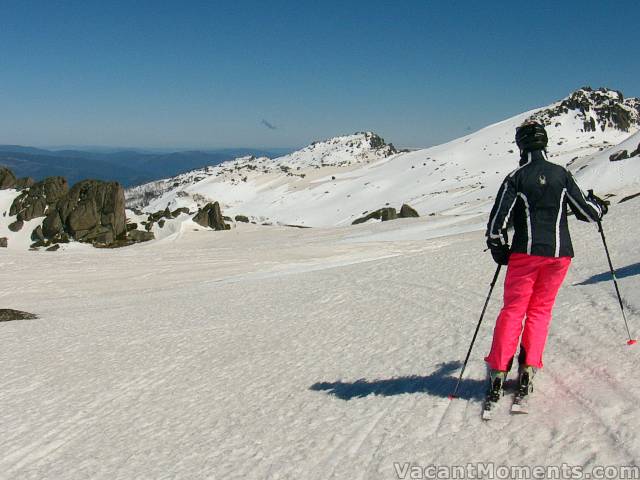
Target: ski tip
(632, 342)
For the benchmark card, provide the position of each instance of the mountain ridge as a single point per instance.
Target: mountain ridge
(329, 183)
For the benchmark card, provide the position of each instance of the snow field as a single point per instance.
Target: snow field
(270, 352)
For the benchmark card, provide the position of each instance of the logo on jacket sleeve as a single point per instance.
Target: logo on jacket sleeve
(542, 180)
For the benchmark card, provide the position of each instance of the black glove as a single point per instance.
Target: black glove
(603, 204)
(499, 252)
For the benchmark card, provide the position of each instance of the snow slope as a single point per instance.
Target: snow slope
(320, 186)
(279, 353)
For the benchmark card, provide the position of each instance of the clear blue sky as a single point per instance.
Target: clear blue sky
(215, 73)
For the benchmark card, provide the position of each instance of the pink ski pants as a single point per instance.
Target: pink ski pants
(530, 290)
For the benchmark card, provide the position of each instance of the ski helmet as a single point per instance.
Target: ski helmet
(531, 136)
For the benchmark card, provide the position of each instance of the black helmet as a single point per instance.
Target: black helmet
(531, 136)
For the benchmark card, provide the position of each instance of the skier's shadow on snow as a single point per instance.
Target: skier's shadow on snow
(628, 271)
(439, 383)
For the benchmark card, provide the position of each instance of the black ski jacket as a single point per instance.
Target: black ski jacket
(535, 197)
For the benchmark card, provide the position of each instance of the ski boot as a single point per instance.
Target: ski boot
(525, 387)
(494, 392)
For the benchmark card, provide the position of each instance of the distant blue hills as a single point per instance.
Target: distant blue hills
(129, 167)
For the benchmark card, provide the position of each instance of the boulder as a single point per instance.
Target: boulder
(211, 216)
(408, 212)
(25, 182)
(52, 225)
(7, 179)
(383, 214)
(131, 226)
(16, 226)
(140, 236)
(7, 315)
(4, 242)
(39, 199)
(37, 234)
(620, 155)
(179, 211)
(242, 218)
(635, 152)
(53, 248)
(93, 211)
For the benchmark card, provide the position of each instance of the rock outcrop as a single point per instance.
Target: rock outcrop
(388, 213)
(7, 315)
(138, 236)
(24, 182)
(40, 199)
(383, 214)
(211, 216)
(598, 109)
(621, 155)
(16, 226)
(406, 211)
(92, 211)
(7, 179)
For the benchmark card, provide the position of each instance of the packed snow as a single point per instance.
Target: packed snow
(272, 352)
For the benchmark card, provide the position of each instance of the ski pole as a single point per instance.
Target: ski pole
(484, 309)
(615, 283)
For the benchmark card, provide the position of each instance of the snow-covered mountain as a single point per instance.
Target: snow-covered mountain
(336, 181)
(333, 182)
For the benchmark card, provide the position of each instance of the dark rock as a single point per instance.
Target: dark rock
(7, 315)
(7, 179)
(635, 152)
(589, 125)
(4, 242)
(621, 155)
(39, 199)
(52, 225)
(131, 226)
(38, 244)
(37, 234)
(16, 226)
(161, 223)
(140, 236)
(93, 211)
(408, 212)
(179, 211)
(383, 214)
(242, 218)
(25, 182)
(211, 216)
(53, 248)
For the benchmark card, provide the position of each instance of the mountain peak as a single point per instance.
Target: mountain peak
(599, 109)
(342, 150)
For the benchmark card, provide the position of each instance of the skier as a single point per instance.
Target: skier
(534, 198)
